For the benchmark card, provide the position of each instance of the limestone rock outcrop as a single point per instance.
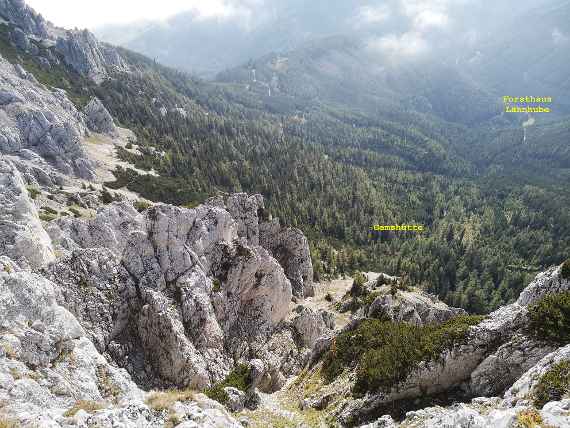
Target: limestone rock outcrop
(414, 307)
(291, 248)
(98, 118)
(79, 48)
(181, 295)
(22, 236)
(44, 121)
(89, 57)
(287, 245)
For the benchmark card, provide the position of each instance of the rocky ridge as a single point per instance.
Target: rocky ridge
(78, 48)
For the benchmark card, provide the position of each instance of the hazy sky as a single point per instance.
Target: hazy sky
(90, 14)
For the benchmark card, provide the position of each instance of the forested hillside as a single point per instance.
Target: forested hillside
(491, 219)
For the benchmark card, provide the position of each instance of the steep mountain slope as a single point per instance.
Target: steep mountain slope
(335, 172)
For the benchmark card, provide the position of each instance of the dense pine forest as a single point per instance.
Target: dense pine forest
(495, 211)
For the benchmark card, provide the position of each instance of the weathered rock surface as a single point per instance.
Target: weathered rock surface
(79, 48)
(17, 12)
(44, 121)
(22, 237)
(183, 289)
(414, 307)
(82, 51)
(291, 248)
(98, 118)
(524, 389)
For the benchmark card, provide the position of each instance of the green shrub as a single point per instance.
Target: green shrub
(553, 385)
(217, 285)
(565, 272)
(358, 284)
(50, 210)
(106, 196)
(549, 318)
(381, 280)
(385, 352)
(34, 192)
(140, 206)
(47, 217)
(370, 297)
(75, 212)
(239, 378)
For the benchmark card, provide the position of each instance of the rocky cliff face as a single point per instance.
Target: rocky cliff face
(46, 122)
(78, 48)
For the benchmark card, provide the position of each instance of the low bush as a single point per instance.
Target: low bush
(239, 378)
(385, 352)
(553, 385)
(47, 217)
(549, 318)
(141, 205)
(34, 192)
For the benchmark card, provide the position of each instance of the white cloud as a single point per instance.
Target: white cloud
(373, 15)
(90, 14)
(430, 19)
(559, 38)
(406, 45)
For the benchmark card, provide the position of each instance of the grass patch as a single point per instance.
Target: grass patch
(88, 406)
(164, 400)
(47, 217)
(239, 378)
(553, 385)
(384, 352)
(76, 213)
(550, 318)
(34, 192)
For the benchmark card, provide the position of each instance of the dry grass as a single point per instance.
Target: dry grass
(164, 400)
(529, 419)
(88, 406)
(8, 423)
(9, 351)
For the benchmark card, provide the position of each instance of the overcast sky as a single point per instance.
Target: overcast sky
(91, 14)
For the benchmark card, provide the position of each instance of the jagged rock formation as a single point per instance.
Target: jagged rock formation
(17, 12)
(412, 306)
(48, 366)
(291, 248)
(182, 287)
(22, 237)
(82, 51)
(41, 120)
(78, 48)
(98, 118)
(288, 245)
